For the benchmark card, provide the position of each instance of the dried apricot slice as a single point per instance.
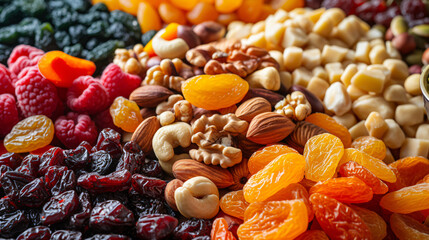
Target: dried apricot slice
(274, 220)
(329, 124)
(213, 92)
(30, 134)
(407, 199)
(279, 173)
(354, 169)
(261, 158)
(370, 145)
(337, 219)
(220, 230)
(408, 171)
(125, 114)
(377, 226)
(405, 227)
(234, 204)
(322, 154)
(344, 189)
(374, 165)
(313, 235)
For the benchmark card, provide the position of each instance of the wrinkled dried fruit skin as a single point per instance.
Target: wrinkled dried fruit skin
(65, 235)
(34, 194)
(35, 233)
(65, 183)
(329, 124)
(80, 220)
(13, 160)
(193, 228)
(59, 207)
(53, 175)
(151, 168)
(132, 158)
(13, 181)
(33, 216)
(116, 181)
(344, 189)
(313, 235)
(234, 204)
(77, 159)
(108, 237)
(110, 141)
(274, 220)
(52, 157)
(111, 216)
(406, 227)
(151, 187)
(143, 205)
(12, 224)
(220, 230)
(354, 169)
(101, 162)
(125, 114)
(282, 171)
(377, 226)
(337, 219)
(407, 199)
(155, 226)
(261, 158)
(408, 171)
(29, 165)
(371, 146)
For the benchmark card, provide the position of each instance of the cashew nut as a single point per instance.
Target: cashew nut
(169, 137)
(268, 78)
(175, 48)
(198, 197)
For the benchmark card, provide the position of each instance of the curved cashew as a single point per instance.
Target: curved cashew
(169, 137)
(175, 48)
(268, 78)
(198, 197)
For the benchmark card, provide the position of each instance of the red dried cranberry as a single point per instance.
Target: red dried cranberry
(13, 160)
(193, 228)
(3, 170)
(80, 220)
(110, 141)
(108, 237)
(116, 181)
(132, 158)
(13, 181)
(384, 18)
(151, 168)
(52, 157)
(155, 226)
(12, 224)
(142, 205)
(30, 165)
(368, 10)
(6, 205)
(66, 235)
(151, 187)
(59, 207)
(35, 233)
(53, 175)
(101, 162)
(65, 183)
(111, 216)
(77, 159)
(34, 194)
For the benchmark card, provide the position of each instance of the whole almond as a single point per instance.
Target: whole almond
(240, 173)
(150, 95)
(144, 133)
(304, 131)
(169, 192)
(272, 97)
(252, 107)
(269, 127)
(189, 168)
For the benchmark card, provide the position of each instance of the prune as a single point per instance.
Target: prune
(110, 141)
(77, 158)
(52, 157)
(193, 228)
(12, 160)
(108, 237)
(151, 168)
(132, 158)
(155, 226)
(30, 165)
(101, 162)
(34, 194)
(151, 187)
(65, 183)
(13, 181)
(116, 181)
(11, 224)
(59, 207)
(111, 216)
(33, 216)
(35, 233)
(81, 219)
(66, 235)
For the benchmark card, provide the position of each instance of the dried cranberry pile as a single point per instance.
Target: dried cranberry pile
(106, 191)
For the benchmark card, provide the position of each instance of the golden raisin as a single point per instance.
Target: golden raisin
(234, 204)
(370, 145)
(125, 114)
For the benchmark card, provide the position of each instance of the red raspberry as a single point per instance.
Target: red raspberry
(36, 95)
(8, 113)
(6, 79)
(75, 128)
(119, 83)
(104, 120)
(87, 95)
(23, 56)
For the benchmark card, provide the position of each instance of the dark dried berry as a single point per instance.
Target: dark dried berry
(101, 162)
(59, 207)
(30, 165)
(66, 182)
(110, 141)
(13, 160)
(53, 175)
(34, 194)
(33, 216)
(111, 216)
(77, 159)
(202, 238)
(66, 235)
(132, 158)
(13, 181)
(12, 224)
(108, 237)
(6, 206)
(52, 157)
(4, 169)
(151, 187)
(151, 168)
(35, 233)
(193, 228)
(86, 145)
(102, 197)
(155, 226)
(144, 206)
(116, 181)
(80, 220)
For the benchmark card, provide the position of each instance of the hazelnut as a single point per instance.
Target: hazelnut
(169, 192)
(186, 33)
(153, 61)
(404, 42)
(209, 31)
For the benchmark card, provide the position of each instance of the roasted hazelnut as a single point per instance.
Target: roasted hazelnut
(404, 42)
(209, 31)
(189, 36)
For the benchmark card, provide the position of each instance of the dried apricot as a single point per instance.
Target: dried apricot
(407, 199)
(322, 154)
(202, 12)
(274, 220)
(337, 219)
(329, 124)
(406, 227)
(171, 14)
(354, 169)
(261, 158)
(30, 134)
(125, 114)
(220, 230)
(227, 6)
(370, 145)
(344, 189)
(213, 92)
(377, 226)
(234, 204)
(250, 10)
(374, 165)
(408, 171)
(313, 235)
(148, 17)
(278, 174)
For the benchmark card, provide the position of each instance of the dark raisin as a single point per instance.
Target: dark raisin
(66, 235)
(101, 162)
(108, 237)
(30, 165)
(65, 183)
(35, 233)
(53, 175)
(12, 160)
(86, 145)
(34, 194)
(151, 168)
(77, 158)
(110, 141)
(13, 181)
(111, 216)
(155, 226)
(80, 220)
(202, 238)
(132, 158)
(193, 228)
(59, 207)
(3, 170)
(116, 181)
(33, 216)
(52, 157)
(151, 187)
(6, 205)
(119, 196)
(144, 206)
(12, 224)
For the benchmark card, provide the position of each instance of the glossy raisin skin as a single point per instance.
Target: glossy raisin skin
(77, 159)
(116, 181)
(108, 237)
(80, 220)
(30, 165)
(33, 216)
(12, 160)
(151, 168)
(66, 235)
(13, 181)
(193, 228)
(111, 216)
(101, 162)
(155, 226)
(34, 194)
(12, 223)
(35, 233)
(151, 187)
(110, 141)
(52, 157)
(132, 158)
(59, 207)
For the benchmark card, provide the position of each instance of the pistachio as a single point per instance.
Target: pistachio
(398, 25)
(421, 30)
(415, 57)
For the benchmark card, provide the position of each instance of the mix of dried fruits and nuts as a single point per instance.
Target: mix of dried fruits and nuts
(263, 120)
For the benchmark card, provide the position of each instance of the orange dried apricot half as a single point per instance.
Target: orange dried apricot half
(407, 199)
(329, 124)
(261, 158)
(234, 204)
(370, 145)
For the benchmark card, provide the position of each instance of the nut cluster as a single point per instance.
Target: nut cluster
(294, 106)
(132, 61)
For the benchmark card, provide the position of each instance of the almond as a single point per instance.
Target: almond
(169, 192)
(302, 132)
(252, 107)
(144, 133)
(272, 97)
(150, 95)
(240, 173)
(188, 168)
(269, 127)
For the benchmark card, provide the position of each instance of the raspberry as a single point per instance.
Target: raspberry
(8, 113)
(119, 83)
(75, 128)
(36, 95)
(104, 120)
(6, 79)
(87, 95)
(23, 56)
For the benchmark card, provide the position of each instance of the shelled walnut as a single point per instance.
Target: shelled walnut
(132, 61)
(295, 106)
